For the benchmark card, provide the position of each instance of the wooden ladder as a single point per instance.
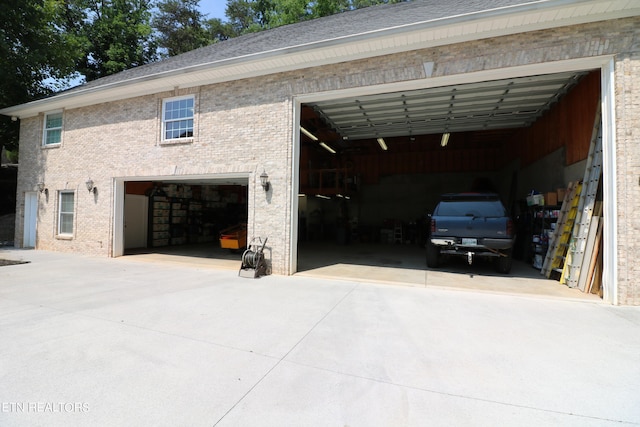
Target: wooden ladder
(591, 181)
(554, 261)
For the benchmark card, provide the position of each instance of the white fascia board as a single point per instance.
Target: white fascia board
(531, 16)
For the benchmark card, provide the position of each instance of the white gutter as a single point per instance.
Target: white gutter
(530, 16)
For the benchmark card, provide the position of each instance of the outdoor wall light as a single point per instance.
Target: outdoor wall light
(90, 186)
(264, 180)
(42, 188)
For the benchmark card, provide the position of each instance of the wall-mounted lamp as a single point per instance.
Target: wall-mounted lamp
(264, 180)
(42, 188)
(382, 144)
(445, 139)
(90, 186)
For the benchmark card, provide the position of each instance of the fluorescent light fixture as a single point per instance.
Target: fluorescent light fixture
(302, 195)
(445, 139)
(322, 197)
(326, 147)
(309, 134)
(383, 145)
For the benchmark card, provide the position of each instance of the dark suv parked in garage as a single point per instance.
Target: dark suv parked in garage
(471, 225)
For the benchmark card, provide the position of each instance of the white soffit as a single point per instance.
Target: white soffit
(492, 23)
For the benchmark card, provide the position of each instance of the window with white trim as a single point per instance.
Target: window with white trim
(177, 118)
(66, 212)
(52, 128)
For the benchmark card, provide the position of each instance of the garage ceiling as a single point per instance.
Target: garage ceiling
(499, 104)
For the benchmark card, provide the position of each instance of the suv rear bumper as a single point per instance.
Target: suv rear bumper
(483, 244)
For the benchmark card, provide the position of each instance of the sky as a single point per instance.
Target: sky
(213, 8)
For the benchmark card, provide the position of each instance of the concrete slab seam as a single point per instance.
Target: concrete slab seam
(459, 396)
(287, 353)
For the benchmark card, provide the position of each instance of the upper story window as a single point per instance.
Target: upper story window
(52, 128)
(177, 118)
(66, 213)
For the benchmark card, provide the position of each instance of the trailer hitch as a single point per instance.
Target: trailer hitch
(470, 257)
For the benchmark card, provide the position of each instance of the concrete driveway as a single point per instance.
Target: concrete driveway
(118, 342)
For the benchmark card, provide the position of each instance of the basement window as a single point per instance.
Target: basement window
(177, 119)
(52, 129)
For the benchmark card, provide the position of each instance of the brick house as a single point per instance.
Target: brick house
(211, 121)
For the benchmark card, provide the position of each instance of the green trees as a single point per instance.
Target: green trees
(255, 15)
(34, 55)
(113, 35)
(180, 26)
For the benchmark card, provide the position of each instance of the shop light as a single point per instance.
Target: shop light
(326, 147)
(309, 134)
(320, 196)
(445, 139)
(382, 144)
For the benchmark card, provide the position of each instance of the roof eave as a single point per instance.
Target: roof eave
(531, 16)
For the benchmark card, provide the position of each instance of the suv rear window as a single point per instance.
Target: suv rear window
(475, 208)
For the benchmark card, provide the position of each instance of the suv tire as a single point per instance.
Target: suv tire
(433, 255)
(504, 263)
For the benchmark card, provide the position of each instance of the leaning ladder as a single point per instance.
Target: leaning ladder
(556, 240)
(556, 254)
(577, 245)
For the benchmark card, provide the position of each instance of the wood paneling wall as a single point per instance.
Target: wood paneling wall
(567, 124)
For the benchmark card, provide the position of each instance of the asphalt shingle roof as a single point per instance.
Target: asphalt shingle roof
(332, 27)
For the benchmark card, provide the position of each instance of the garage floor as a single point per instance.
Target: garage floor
(389, 264)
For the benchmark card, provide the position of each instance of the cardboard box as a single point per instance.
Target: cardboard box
(561, 192)
(551, 198)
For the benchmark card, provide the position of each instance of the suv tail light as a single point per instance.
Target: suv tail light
(509, 228)
(433, 225)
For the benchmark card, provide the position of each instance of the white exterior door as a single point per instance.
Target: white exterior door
(30, 219)
(135, 221)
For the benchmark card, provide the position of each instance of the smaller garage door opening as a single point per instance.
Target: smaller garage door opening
(183, 218)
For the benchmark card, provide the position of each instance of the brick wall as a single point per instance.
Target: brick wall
(627, 92)
(247, 126)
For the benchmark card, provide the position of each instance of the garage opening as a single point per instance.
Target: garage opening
(372, 168)
(185, 218)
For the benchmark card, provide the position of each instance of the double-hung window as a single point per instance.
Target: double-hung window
(52, 128)
(177, 118)
(66, 213)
